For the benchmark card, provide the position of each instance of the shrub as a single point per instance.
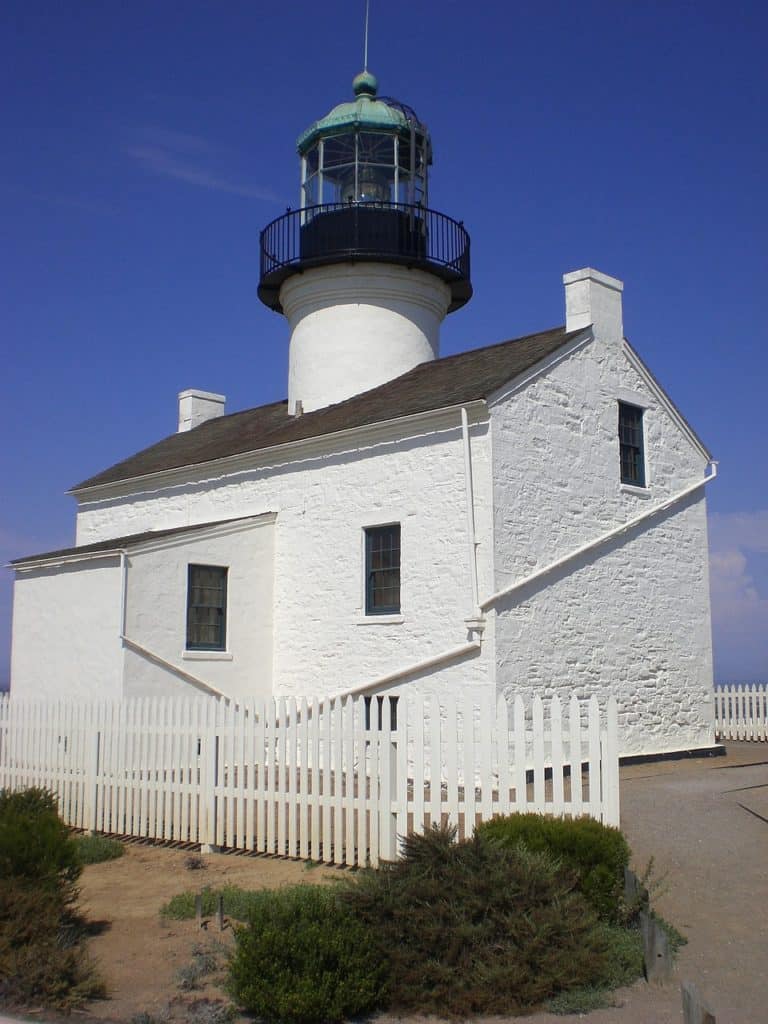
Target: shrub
(623, 966)
(304, 958)
(477, 927)
(42, 959)
(596, 852)
(237, 903)
(35, 845)
(97, 849)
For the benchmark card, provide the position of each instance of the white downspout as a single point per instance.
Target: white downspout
(475, 622)
(599, 541)
(476, 615)
(144, 651)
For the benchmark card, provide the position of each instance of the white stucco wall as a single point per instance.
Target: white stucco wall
(355, 326)
(632, 617)
(323, 642)
(156, 609)
(66, 628)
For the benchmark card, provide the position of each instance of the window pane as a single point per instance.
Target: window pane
(382, 569)
(631, 453)
(206, 607)
(375, 148)
(339, 149)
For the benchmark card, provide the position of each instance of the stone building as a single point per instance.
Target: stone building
(525, 517)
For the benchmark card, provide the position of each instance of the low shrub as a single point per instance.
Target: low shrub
(35, 845)
(304, 958)
(42, 956)
(478, 927)
(623, 966)
(596, 852)
(238, 903)
(97, 849)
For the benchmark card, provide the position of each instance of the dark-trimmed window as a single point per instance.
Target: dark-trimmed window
(382, 570)
(631, 450)
(206, 608)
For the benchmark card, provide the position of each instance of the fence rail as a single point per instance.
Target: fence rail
(741, 712)
(335, 780)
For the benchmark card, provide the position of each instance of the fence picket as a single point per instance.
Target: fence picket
(502, 753)
(556, 734)
(332, 780)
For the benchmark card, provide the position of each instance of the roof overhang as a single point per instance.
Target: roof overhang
(117, 546)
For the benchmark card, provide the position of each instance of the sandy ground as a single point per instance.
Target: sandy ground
(705, 823)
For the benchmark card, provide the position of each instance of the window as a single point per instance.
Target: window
(631, 450)
(206, 608)
(382, 570)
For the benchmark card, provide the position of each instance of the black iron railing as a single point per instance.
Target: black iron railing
(385, 232)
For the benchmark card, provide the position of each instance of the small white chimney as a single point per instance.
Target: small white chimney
(195, 407)
(593, 298)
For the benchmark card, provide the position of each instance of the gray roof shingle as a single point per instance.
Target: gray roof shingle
(452, 380)
(114, 544)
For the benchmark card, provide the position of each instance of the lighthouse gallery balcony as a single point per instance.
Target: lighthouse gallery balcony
(373, 232)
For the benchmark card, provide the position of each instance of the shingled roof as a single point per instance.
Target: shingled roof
(115, 544)
(453, 380)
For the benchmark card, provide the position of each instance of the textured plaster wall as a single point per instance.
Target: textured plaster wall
(156, 607)
(323, 642)
(375, 322)
(632, 617)
(66, 628)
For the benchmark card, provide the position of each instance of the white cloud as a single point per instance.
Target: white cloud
(739, 611)
(191, 159)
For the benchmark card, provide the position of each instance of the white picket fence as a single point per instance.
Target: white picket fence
(741, 712)
(334, 780)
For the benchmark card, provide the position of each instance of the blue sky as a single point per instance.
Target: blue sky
(146, 144)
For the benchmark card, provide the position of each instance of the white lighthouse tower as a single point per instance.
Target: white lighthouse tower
(364, 271)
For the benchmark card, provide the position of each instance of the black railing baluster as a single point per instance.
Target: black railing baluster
(336, 232)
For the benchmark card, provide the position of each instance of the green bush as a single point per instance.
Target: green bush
(35, 845)
(97, 849)
(477, 927)
(623, 966)
(42, 959)
(596, 852)
(303, 958)
(238, 903)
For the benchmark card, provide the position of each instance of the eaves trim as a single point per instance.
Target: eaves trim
(288, 451)
(665, 401)
(147, 541)
(522, 380)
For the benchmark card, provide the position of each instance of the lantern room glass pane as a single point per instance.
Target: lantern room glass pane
(311, 191)
(376, 148)
(338, 150)
(313, 159)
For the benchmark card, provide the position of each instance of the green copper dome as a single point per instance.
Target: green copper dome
(365, 112)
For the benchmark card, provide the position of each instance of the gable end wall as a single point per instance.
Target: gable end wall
(632, 617)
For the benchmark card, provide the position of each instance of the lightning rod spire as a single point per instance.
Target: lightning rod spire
(365, 46)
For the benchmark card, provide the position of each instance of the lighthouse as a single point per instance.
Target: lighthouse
(363, 270)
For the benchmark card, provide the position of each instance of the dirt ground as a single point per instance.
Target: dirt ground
(141, 954)
(705, 822)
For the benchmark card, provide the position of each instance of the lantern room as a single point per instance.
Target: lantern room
(364, 198)
(367, 151)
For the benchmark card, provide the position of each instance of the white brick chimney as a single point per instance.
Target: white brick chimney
(195, 407)
(593, 298)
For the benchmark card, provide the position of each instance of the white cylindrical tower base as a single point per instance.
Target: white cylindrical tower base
(357, 325)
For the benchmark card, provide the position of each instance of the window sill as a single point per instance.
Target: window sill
(640, 492)
(378, 620)
(206, 656)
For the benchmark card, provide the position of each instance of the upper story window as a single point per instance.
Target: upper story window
(382, 570)
(206, 608)
(631, 444)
